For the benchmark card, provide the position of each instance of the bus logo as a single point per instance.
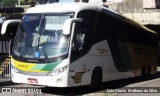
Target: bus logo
(78, 76)
(22, 66)
(102, 50)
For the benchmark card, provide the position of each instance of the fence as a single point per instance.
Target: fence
(5, 50)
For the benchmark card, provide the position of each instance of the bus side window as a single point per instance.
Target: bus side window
(83, 34)
(78, 44)
(78, 39)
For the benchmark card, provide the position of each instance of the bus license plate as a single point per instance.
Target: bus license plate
(32, 80)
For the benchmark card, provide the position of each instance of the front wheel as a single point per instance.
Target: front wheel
(96, 79)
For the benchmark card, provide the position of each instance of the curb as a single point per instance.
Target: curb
(5, 82)
(4, 79)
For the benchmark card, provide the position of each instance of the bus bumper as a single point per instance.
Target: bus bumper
(59, 80)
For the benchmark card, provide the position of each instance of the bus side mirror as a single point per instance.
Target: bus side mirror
(68, 25)
(6, 23)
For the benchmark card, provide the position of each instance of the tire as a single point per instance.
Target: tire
(96, 79)
(149, 70)
(143, 71)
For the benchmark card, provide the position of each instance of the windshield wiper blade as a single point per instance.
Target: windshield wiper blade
(46, 56)
(25, 50)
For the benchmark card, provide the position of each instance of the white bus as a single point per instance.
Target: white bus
(74, 44)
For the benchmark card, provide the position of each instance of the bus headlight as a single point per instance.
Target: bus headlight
(57, 71)
(15, 69)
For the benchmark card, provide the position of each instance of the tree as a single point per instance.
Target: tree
(85, 1)
(29, 1)
(9, 3)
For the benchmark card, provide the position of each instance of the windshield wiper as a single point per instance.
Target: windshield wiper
(25, 50)
(41, 26)
(46, 56)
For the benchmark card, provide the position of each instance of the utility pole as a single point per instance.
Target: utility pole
(19, 3)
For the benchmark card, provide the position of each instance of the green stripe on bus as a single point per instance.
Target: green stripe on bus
(50, 67)
(46, 67)
(38, 66)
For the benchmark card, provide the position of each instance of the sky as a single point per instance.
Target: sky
(66, 1)
(73, 0)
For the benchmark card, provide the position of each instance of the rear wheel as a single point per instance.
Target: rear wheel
(149, 70)
(143, 71)
(96, 79)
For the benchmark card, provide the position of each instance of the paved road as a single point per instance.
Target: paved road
(153, 81)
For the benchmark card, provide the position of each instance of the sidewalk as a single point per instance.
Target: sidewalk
(5, 82)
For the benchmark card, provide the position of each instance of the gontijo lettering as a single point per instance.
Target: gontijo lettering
(22, 66)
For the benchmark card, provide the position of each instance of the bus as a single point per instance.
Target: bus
(75, 44)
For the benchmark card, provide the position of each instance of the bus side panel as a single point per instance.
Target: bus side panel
(143, 56)
(98, 56)
(101, 55)
(75, 73)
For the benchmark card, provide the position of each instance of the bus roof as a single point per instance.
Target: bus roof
(76, 7)
(63, 7)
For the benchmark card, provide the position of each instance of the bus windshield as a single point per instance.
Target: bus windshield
(40, 36)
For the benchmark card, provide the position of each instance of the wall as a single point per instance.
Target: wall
(139, 10)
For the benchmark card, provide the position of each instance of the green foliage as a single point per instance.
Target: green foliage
(85, 0)
(9, 3)
(31, 1)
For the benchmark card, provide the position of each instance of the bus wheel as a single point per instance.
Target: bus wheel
(96, 79)
(149, 70)
(143, 71)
